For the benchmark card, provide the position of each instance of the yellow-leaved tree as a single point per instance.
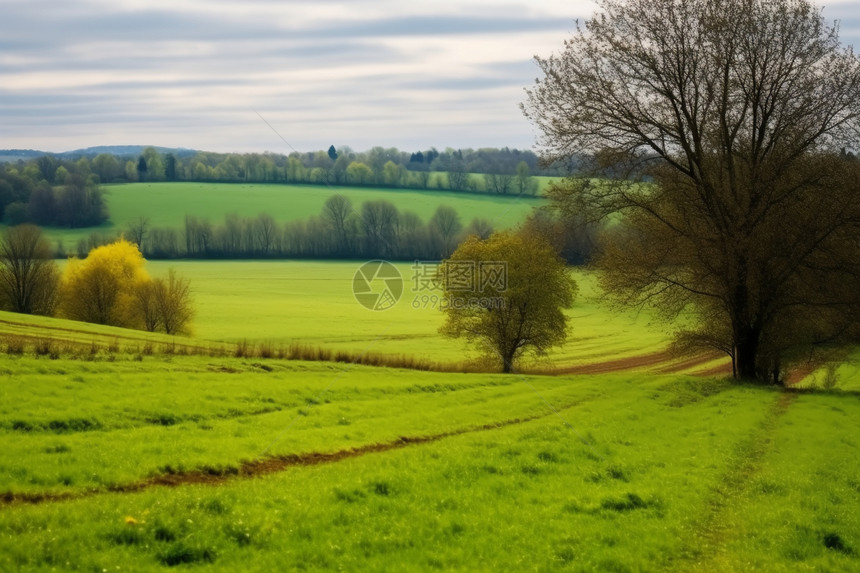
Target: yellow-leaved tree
(111, 286)
(100, 288)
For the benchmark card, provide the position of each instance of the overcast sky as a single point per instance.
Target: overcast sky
(196, 73)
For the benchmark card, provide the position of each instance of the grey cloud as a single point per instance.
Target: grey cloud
(247, 54)
(461, 84)
(159, 25)
(428, 104)
(439, 26)
(57, 27)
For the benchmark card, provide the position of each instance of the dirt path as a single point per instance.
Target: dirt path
(798, 374)
(653, 359)
(265, 466)
(629, 363)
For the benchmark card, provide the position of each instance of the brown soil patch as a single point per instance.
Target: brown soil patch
(629, 363)
(646, 361)
(798, 374)
(691, 362)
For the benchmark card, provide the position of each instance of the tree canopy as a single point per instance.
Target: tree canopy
(111, 286)
(506, 294)
(100, 288)
(717, 125)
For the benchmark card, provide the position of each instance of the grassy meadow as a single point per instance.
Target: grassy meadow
(119, 458)
(167, 204)
(226, 464)
(312, 302)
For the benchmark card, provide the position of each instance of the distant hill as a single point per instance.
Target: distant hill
(9, 155)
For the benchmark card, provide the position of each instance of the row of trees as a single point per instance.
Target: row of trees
(492, 170)
(110, 286)
(495, 171)
(376, 229)
(50, 191)
(378, 167)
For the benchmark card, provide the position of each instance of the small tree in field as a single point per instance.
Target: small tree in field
(28, 276)
(173, 306)
(506, 294)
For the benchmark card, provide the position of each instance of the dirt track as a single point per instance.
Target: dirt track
(259, 467)
(629, 363)
(654, 359)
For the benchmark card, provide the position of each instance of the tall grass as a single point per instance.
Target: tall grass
(13, 344)
(40, 346)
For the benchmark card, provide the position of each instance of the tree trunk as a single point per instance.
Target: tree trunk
(508, 360)
(746, 352)
(746, 335)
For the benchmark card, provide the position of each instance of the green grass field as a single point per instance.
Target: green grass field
(233, 464)
(122, 458)
(118, 458)
(313, 303)
(167, 204)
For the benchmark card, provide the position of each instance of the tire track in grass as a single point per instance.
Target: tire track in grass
(249, 469)
(700, 551)
(718, 370)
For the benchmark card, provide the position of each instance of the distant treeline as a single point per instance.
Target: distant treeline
(71, 199)
(54, 191)
(377, 229)
(503, 171)
(494, 170)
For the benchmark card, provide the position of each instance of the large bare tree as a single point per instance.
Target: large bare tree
(721, 123)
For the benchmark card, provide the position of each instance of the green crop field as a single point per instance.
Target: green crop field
(313, 303)
(167, 204)
(236, 464)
